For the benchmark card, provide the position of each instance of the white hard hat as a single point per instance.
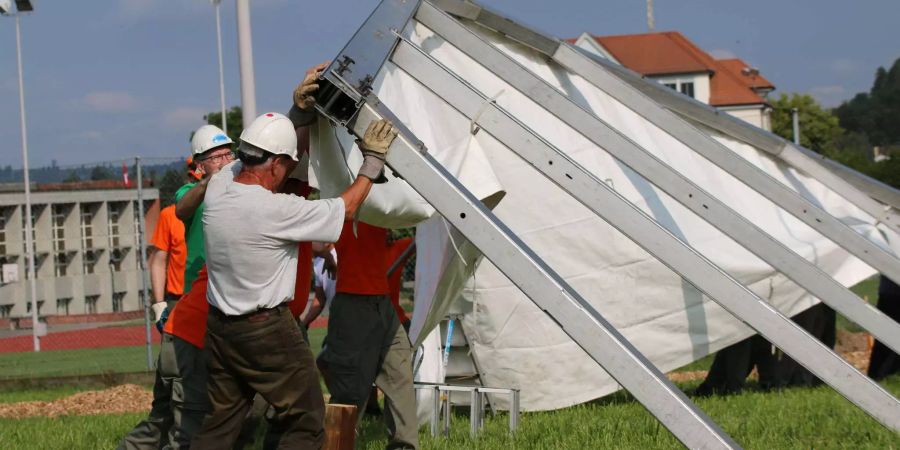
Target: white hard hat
(207, 138)
(272, 132)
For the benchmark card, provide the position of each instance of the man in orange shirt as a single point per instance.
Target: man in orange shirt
(365, 341)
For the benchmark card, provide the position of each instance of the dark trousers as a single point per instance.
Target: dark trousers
(366, 344)
(884, 361)
(733, 364)
(262, 353)
(179, 399)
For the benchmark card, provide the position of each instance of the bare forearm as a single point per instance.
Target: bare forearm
(157, 264)
(355, 195)
(316, 308)
(187, 206)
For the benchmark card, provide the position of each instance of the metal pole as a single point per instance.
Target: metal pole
(143, 249)
(795, 116)
(217, 4)
(29, 225)
(245, 55)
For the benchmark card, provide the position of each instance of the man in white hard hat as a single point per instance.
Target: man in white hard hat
(212, 151)
(179, 393)
(255, 345)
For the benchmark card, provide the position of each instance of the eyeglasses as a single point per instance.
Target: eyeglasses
(229, 156)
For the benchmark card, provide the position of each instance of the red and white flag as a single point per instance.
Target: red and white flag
(125, 175)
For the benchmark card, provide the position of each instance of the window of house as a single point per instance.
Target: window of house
(62, 306)
(59, 227)
(40, 306)
(115, 259)
(35, 214)
(672, 86)
(87, 227)
(5, 311)
(90, 304)
(687, 88)
(113, 216)
(60, 264)
(89, 260)
(4, 212)
(118, 300)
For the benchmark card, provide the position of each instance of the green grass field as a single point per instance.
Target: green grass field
(793, 418)
(58, 363)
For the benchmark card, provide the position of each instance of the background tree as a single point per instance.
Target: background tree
(235, 121)
(876, 113)
(819, 127)
(72, 177)
(102, 173)
(168, 185)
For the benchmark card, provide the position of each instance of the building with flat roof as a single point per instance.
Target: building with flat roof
(86, 246)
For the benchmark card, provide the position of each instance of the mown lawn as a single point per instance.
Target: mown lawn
(800, 418)
(59, 363)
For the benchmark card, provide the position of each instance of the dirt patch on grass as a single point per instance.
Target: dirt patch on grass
(116, 400)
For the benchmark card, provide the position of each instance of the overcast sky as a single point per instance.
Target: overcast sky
(105, 79)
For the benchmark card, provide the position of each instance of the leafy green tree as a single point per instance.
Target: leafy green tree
(171, 181)
(102, 173)
(876, 113)
(235, 121)
(819, 128)
(72, 177)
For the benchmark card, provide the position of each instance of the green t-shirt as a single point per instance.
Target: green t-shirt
(193, 236)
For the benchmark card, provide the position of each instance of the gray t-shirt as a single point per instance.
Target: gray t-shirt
(251, 237)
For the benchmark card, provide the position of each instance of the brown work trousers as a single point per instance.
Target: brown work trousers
(262, 353)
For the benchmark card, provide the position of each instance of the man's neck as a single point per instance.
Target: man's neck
(252, 178)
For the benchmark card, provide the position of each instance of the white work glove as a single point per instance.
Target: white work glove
(158, 309)
(374, 146)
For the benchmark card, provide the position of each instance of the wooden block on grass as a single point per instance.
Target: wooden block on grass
(340, 427)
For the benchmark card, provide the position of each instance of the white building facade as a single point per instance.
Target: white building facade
(87, 252)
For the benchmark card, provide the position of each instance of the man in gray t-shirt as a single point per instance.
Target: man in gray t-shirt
(252, 233)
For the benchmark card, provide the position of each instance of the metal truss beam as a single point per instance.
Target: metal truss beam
(852, 185)
(721, 287)
(343, 99)
(797, 157)
(577, 318)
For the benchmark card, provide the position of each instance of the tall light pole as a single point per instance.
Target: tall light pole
(217, 4)
(25, 6)
(245, 55)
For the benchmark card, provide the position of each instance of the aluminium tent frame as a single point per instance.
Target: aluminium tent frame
(705, 205)
(347, 100)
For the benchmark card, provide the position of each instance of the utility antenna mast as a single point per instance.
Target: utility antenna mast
(650, 22)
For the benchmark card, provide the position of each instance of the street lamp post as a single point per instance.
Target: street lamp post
(245, 55)
(25, 6)
(217, 4)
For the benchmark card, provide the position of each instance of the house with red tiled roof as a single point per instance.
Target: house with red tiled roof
(670, 58)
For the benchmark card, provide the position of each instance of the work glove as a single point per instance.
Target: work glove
(304, 94)
(160, 315)
(374, 146)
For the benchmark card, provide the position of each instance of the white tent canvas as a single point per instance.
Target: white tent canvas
(513, 343)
